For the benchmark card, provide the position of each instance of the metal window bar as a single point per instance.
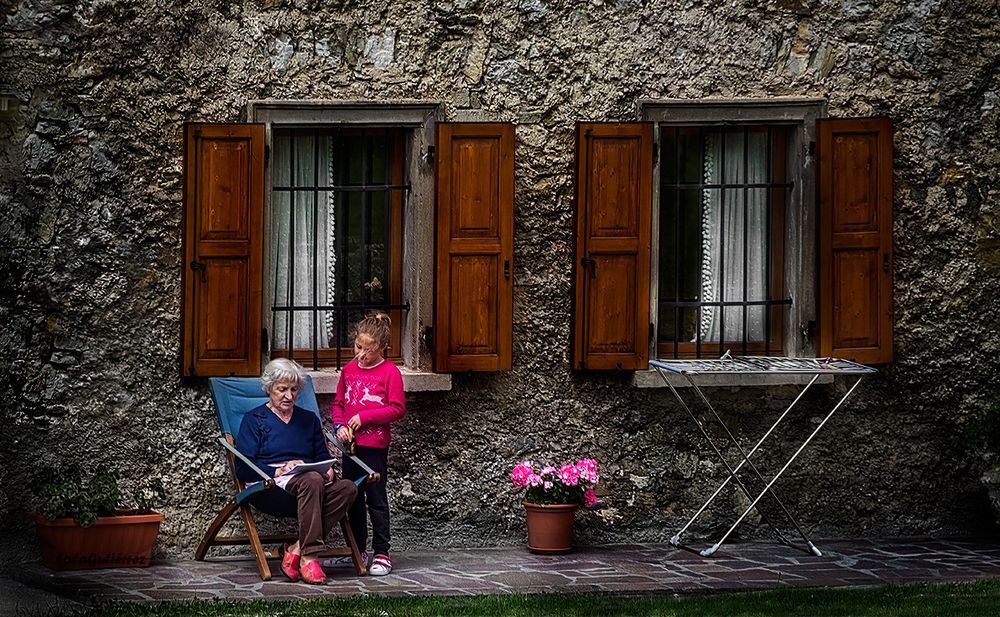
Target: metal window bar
(289, 292)
(768, 240)
(314, 335)
(746, 231)
(722, 243)
(678, 204)
(675, 189)
(366, 187)
(342, 189)
(389, 150)
(701, 242)
(367, 162)
(340, 223)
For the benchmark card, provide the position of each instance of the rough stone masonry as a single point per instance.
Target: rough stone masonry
(90, 232)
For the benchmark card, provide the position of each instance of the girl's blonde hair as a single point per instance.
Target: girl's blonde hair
(378, 327)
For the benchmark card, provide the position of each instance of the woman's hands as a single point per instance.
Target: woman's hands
(355, 422)
(330, 475)
(344, 434)
(288, 466)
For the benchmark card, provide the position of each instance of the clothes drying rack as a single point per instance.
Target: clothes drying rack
(690, 370)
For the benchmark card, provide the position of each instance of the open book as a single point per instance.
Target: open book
(320, 466)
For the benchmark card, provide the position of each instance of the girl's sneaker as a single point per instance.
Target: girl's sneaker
(344, 562)
(381, 566)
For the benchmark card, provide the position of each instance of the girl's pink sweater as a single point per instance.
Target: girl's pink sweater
(376, 395)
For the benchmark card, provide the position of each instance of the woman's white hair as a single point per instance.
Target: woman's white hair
(282, 370)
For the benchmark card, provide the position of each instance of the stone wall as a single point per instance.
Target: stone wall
(90, 179)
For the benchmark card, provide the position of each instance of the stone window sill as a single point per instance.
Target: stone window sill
(325, 381)
(650, 379)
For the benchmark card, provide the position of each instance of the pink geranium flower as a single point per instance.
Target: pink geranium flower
(569, 475)
(519, 475)
(572, 483)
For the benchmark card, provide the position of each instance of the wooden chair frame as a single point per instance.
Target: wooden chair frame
(238, 503)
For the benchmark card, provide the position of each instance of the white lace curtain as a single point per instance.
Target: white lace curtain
(734, 235)
(308, 274)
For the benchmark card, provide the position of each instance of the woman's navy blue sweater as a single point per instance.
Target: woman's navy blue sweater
(265, 439)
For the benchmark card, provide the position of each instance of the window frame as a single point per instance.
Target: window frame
(779, 133)
(331, 356)
(418, 119)
(801, 217)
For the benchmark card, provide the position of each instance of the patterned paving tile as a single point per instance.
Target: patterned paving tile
(630, 568)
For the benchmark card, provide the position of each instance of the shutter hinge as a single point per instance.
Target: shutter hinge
(265, 343)
(267, 153)
(427, 336)
(200, 267)
(427, 156)
(652, 333)
(812, 148)
(656, 154)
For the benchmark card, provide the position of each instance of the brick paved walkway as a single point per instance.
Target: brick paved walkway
(637, 568)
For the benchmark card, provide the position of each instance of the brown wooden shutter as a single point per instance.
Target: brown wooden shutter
(223, 249)
(855, 239)
(475, 247)
(614, 176)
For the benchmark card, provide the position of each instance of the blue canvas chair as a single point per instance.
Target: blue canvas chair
(234, 397)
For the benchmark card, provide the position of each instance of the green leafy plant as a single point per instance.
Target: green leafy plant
(67, 491)
(147, 496)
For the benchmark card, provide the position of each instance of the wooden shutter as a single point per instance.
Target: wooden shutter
(222, 277)
(614, 167)
(475, 247)
(855, 239)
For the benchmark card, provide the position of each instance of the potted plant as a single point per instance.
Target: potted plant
(82, 524)
(552, 497)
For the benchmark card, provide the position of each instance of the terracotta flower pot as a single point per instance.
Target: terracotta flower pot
(550, 527)
(123, 541)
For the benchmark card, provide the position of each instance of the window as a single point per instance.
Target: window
(314, 212)
(758, 227)
(336, 225)
(723, 192)
(367, 171)
(735, 250)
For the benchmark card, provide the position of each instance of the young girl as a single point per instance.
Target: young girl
(369, 398)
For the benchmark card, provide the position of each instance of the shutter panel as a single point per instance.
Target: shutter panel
(855, 240)
(475, 247)
(614, 168)
(223, 254)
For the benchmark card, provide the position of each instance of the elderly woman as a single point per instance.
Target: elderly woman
(277, 437)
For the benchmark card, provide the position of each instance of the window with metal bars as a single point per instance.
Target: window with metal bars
(723, 193)
(336, 238)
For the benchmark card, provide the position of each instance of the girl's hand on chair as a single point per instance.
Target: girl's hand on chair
(343, 434)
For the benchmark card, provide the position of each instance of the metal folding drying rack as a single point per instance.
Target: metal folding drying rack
(752, 365)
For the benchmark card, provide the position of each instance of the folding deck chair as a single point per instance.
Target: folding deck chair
(233, 398)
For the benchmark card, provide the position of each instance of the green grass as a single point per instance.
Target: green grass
(939, 600)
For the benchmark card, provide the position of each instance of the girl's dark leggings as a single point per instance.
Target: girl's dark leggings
(372, 501)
